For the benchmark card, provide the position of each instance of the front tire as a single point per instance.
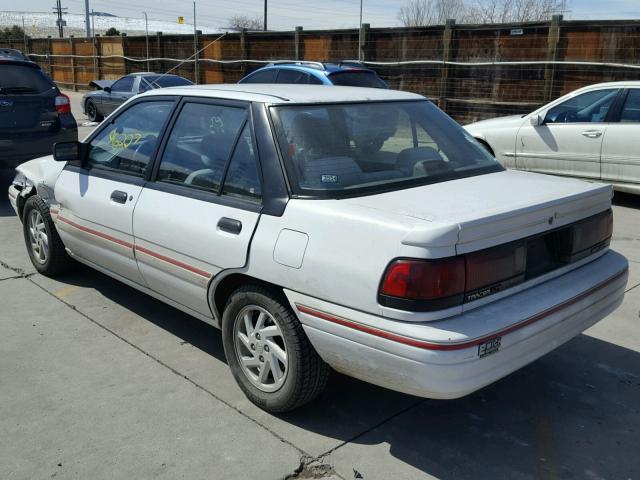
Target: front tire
(268, 352)
(46, 250)
(92, 112)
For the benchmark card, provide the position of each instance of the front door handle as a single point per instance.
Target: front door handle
(592, 133)
(230, 225)
(119, 196)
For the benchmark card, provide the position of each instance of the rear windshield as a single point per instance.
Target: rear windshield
(163, 81)
(20, 79)
(339, 150)
(357, 79)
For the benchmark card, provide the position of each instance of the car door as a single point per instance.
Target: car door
(620, 152)
(197, 215)
(121, 91)
(568, 141)
(97, 198)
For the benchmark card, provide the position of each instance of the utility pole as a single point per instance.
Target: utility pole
(24, 34)
(86, 18)
(360, 35)
(59, 11)
(146, 30)
(195, 46)
(265, 16)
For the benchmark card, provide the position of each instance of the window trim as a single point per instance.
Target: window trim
(200, 194)
(122, 176)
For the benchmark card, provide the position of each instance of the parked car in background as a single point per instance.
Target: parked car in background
(348, 74)
(417, 263)
(34, 114)
(591, 133)
(111, 94)
(13, 53)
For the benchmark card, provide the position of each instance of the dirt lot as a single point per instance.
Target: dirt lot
(100, 381)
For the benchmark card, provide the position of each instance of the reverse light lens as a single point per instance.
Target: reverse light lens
(423, 279)
(63, 104)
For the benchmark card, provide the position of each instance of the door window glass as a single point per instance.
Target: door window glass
(242, 178)
(292, 76)
(589, 107)
(127, 143)
(264, 76)
(125, 84)
(200, 145)
(631, 110)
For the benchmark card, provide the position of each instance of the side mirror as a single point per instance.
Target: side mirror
(67, 151)
(107, 89)
(536, 120)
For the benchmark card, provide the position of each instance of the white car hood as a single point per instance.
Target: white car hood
(510, 121)
(490, 209)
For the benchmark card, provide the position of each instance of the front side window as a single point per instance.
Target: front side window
(589, 107)
(128, 142)
(125, 84)
(350, 149)
(200, 145)
(631, 109)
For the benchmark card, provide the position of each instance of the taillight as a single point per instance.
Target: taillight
(63, 104)
(494, 269)
(438, 282)
(586, 237)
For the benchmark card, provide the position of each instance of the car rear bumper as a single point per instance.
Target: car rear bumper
(21, 148)
(441, 359)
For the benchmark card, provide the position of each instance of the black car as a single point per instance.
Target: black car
(34, 114)
(111, 94)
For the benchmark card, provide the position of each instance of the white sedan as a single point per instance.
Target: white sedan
(590, 133)
(351, 228)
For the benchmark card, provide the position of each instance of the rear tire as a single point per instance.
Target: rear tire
(268, 352)
(46, 250)
(92, 112)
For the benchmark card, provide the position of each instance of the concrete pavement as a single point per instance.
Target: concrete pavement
(100, 381)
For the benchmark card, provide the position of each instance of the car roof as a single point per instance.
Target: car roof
(320, 67)
(288, 93)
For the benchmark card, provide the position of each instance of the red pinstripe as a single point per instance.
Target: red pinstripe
(455, 346)
(172, 261)
(95, 232)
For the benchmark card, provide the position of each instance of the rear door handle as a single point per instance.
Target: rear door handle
(230, 225)
(592, 133)
(119, 196)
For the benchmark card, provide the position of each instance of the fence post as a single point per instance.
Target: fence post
(244, 50)
(363, 47)
(49, 57)
(447, 37)
(124, 43)
(298, 44)
(553, 39)
(73, 63)
(160, 52)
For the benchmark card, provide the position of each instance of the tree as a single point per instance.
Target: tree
(239, 22)
(112, 32)
(435, 12)
(12, 33)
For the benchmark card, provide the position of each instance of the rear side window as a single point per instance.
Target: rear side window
(200, 145)
(17, 79)
(357, 79)
(292, 76)
(242, 177)
(263, 76)
(631, 110)
(127, 143)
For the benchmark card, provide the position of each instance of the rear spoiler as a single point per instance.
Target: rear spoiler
(101, 84)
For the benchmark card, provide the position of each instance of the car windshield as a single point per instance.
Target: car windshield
(22, 79)
(357, 79)
(338, 150)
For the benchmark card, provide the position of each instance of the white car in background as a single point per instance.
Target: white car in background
(591, 133)
(354, 228)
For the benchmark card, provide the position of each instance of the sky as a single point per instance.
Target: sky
(286, 14)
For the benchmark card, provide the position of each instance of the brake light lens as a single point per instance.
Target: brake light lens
(499, 267)
(424, 279)
(63, 104)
